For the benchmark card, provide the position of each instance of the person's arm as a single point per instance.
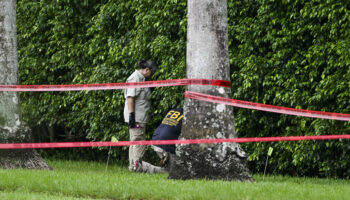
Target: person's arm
(131, 104)
(131, 109)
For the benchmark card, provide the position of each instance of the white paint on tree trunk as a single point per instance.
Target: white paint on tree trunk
(220, 108)
(15, 100)
(221, 90)
(18, 120)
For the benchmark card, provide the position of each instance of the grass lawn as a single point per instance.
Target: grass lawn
(89, 180)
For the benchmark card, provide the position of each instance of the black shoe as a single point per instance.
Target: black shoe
(164, 160)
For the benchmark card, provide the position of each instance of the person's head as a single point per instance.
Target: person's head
(147, 68)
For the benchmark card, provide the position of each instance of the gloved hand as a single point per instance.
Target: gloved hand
(132, 122)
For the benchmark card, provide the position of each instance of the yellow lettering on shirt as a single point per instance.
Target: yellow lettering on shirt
(175, 115)
(172, 118)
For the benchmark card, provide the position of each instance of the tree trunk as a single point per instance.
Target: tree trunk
(207, 57)
(12, 129)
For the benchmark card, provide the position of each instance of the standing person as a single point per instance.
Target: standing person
(169, 129)
(137, 103)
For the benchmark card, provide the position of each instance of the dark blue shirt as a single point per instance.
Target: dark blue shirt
(169, 129)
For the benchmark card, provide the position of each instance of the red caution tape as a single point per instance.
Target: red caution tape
(166, 142)
(188, 94)
(113, 86)
(268, 108)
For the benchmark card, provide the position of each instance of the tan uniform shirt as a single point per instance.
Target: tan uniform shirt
(141, 95)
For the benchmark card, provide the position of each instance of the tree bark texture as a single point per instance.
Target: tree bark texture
(207, 57)
(12, 129)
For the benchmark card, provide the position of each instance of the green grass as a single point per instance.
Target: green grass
(88, 180)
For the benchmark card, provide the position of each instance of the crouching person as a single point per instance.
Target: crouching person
(169, 129)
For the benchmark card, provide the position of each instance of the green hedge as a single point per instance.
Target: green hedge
(286, 53)
(294, 54)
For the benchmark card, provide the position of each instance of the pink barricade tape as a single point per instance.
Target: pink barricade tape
(188, 94)
(268, 108)
(167, 142)
(114, 86)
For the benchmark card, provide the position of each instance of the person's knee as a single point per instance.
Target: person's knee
(137, 135)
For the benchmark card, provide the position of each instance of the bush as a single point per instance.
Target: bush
(292, 53)
(286, 53)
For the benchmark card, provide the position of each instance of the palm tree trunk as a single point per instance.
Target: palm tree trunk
(12, 129)
(207, 57)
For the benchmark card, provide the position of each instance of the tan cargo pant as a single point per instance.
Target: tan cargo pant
(136, 151)
(152, 169)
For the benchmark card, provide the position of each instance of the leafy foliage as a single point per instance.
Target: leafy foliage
(293, 54)
(286, 53)
(65, 42)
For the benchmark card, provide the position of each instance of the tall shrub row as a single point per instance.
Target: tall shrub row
(286, 53)
(294, 54)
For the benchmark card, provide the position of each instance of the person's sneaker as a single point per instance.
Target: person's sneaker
(138, 166)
